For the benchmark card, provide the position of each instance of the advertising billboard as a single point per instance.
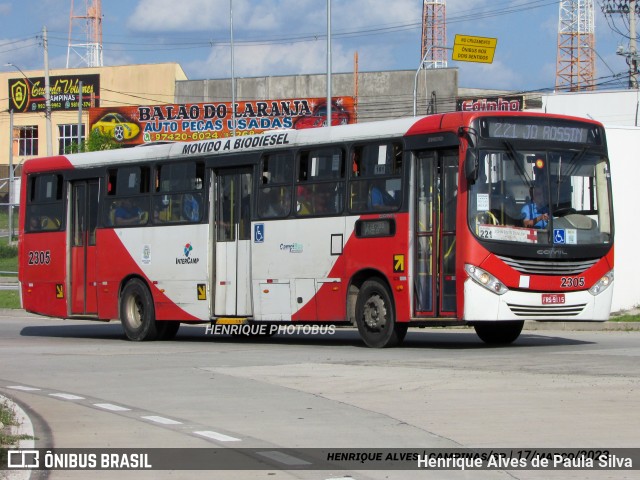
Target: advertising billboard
(134, 125)
(27, 95)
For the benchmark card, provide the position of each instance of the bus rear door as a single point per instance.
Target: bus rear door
(84, 217)
(232, 262)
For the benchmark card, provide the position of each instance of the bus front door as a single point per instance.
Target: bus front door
(84, 217)
(232, 265)
(435, 232)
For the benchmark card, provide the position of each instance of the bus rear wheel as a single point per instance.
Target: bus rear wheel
(375, 316)
(137, 312)
(499, 333)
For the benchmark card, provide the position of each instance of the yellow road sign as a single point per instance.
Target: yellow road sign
(467, 48)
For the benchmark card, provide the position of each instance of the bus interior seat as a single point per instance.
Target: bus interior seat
(48, 223)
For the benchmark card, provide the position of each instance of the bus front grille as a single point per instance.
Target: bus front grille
(547, 267)
(546, 310)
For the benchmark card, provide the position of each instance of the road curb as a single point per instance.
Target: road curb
(24, 427)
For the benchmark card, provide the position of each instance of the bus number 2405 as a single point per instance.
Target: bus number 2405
(39, 257)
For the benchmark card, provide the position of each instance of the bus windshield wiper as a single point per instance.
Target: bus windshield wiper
(513, 155)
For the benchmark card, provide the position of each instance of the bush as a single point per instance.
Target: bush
(8, 251)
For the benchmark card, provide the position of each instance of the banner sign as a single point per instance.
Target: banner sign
(205, 121)
(486, 104)
(27, 95)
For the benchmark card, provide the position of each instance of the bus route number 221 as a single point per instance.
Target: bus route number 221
(39, 257)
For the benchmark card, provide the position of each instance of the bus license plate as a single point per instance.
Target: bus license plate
(552, 298)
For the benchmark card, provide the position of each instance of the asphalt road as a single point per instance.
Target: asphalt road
(83, 385)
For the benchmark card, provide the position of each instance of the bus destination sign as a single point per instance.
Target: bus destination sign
(535, 129)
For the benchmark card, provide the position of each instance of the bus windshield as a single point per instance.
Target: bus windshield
(552, 197)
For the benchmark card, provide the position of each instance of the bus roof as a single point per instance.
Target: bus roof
(270, 139)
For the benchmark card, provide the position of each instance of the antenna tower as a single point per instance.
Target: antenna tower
(434, 34)
(89, 52)
(576, 60)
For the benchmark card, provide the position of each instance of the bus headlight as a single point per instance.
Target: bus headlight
(602, 284)
(485, 279)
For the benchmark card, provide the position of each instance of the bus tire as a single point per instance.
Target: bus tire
(137, 312)
(376, 318)
(499, 333)
(167, 329)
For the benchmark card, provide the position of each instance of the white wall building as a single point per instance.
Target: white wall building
(619, 112)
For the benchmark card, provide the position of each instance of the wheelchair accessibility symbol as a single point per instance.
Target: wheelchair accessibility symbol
(559, 236)
(258, 233)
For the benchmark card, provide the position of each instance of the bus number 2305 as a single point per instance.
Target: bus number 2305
(571, 282)
(39, 257)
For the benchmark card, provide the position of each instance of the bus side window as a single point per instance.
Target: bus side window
(45, 208)
(274, 194)
(127, 202)
(178, 193)
(320, 183)
(376, 177)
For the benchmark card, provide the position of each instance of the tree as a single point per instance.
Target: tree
(97, 141)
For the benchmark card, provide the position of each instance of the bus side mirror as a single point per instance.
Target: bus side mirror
(471, 166)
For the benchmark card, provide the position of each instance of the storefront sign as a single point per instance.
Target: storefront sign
(503, 104)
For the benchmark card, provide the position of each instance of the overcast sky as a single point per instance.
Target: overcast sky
(282, 37)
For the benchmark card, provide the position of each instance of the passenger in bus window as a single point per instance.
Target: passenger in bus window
(274, 202)
(304, 206)
(379, 198)
(35, 223)
(127, 213)
(326, 199)
(191, 207)
(535, 213)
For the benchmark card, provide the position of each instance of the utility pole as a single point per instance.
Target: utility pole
(628, 7)
(633, 51)
(329, 73)
(47, 91)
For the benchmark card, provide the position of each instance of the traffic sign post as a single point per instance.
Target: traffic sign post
(467, 48)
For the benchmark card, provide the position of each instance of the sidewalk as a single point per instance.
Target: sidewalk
(582, 326)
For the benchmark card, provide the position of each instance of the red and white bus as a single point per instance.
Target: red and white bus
(385, 225)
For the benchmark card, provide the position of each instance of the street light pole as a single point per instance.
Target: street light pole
(415, 81)
(11, 176)
(233, 75)
(11, 172)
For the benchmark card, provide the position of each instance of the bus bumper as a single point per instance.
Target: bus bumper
(481, 304)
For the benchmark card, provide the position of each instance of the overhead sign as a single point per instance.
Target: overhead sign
(28, 94)
(467, 48)
(207, 121)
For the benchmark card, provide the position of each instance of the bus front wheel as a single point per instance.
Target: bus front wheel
(375, 316)
(499, 333)
(137, 312)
